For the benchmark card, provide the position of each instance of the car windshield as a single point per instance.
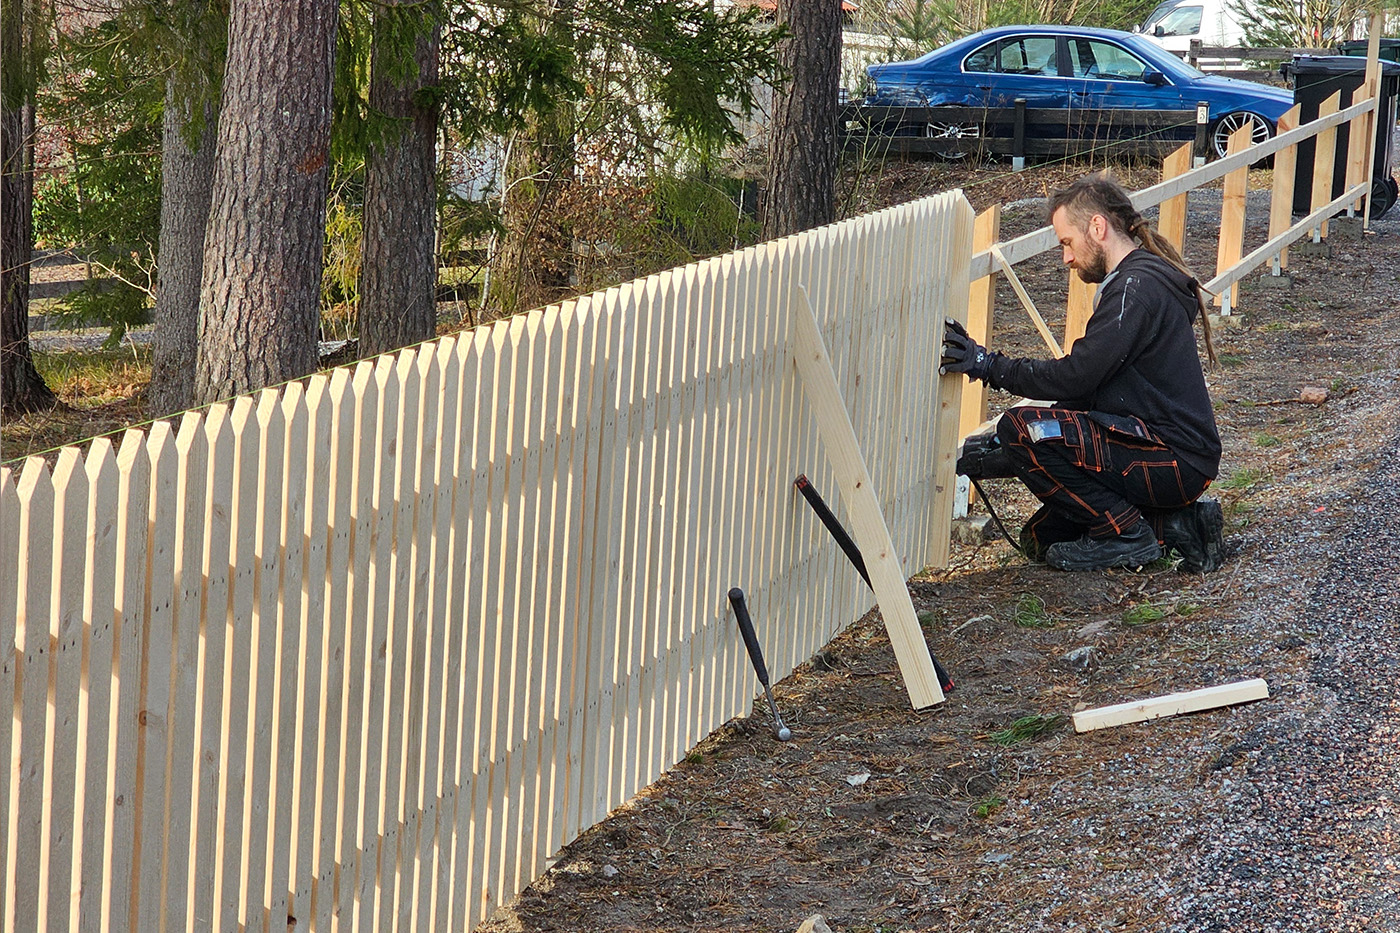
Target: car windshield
(1156, 15)
(1182, 21)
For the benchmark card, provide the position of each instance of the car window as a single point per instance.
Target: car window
(1090, 58)
(1182, 21)
(1018, 55)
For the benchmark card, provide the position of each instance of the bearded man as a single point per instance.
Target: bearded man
(1120, 462)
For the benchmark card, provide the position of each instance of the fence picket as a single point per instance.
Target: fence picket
(153, 751)
(452, 882)
(576, 592)
(257, 881)
(379, 584)
(11, 656)
(238, 456)
(209, 630)
(333, 581)
(29, 775)
(419, 647)
(356, 429)
(312, 689)
(128, 626)
(398, 642)
(535, 543)
(192, 464)
(440, 727)
(487, 508)
(64, 799)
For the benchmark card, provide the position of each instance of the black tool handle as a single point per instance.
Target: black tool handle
(833, 525)
(741, 613)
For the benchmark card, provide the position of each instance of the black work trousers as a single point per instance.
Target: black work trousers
(1096, 474)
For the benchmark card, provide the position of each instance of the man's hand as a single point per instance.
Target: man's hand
(962, 354)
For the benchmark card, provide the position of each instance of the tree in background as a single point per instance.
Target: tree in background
(23, 40)
(1304, 23)
(398, 272)
(259, 299)
(192, 40)
(632, 93)
(802, 143)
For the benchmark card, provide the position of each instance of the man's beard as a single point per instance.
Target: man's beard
(1094, 268)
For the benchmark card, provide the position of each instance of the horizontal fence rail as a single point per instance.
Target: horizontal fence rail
(361, 653)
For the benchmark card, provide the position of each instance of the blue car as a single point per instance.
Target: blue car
(1075, 68)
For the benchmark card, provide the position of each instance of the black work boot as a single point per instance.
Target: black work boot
(1133, 548)
(1196, 533)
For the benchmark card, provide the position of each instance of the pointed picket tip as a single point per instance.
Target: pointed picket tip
(68, 465)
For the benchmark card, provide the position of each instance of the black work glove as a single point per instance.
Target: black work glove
(962, 354)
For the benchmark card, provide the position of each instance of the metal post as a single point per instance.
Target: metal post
(1202, 140)
(1018, 140)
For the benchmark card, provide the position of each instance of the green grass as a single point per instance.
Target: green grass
(988, 805)
(1026, 728)
(1030, 612)
(1266, 440)
(99, 377)
(1274, 327)
(1143, 614)
(1241, 480)
(1231, 360)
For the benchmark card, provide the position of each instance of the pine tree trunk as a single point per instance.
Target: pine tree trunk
(22, 389)
(187, 179)
(398, 258)
(802, 147)
(259, 300)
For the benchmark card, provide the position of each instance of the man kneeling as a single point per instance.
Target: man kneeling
(1120, 463)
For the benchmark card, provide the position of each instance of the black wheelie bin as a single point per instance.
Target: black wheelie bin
(1317, 77)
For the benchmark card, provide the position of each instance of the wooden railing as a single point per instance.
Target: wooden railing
(362, 652)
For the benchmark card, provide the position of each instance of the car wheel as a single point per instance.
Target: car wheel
(939, 130)
(1228, 124)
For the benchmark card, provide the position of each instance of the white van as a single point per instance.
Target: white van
(1174, 23)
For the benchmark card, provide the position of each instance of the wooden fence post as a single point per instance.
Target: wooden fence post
(1171, 221)
(981, 307)
(1285, 172)
(1373, 87)
(1079, 307)
(1324, 163)
(1231, 246)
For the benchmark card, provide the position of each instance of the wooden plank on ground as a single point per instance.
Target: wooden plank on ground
(868, 525)
(1173, 704)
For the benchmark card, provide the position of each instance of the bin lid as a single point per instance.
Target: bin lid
(1333, 65)
(1350, 44)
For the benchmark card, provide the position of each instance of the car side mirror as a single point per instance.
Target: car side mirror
(1159, 32)
(1154, 78)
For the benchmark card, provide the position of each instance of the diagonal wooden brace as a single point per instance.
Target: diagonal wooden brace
(868, 526)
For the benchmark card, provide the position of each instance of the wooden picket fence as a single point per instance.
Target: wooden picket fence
(363, 651)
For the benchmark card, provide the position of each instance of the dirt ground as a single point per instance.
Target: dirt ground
(988, 812)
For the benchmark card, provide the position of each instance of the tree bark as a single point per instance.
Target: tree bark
(187, 181)
(260, 294)
(398, 258)
(802, 146)
(22, 389)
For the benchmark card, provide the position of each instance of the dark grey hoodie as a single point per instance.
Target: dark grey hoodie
(1137, 358)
